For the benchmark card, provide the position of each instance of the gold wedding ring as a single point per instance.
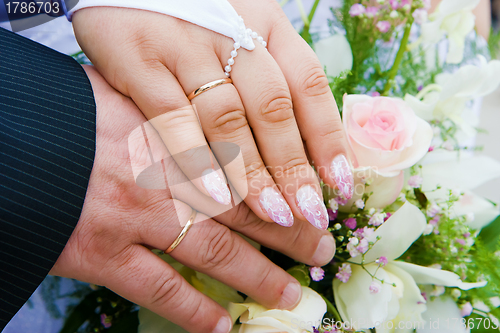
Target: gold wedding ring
(183, 233)
(208, 86)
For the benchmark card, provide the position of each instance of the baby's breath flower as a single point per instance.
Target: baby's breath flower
(377, 219)
(344, 273)
(415, 181)
(375, 287)
(360, 203)
(437, 291)
(357, 10)
(334, 205)
(317, 273)
(350, 223)
(456, 293)
(382, 261)
(466, 309)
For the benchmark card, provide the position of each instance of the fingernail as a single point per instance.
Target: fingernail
(312, 207)
(291, 296)
(325, 251)
(223, 326)
(273, 203)
(341, 172)
(216, 187)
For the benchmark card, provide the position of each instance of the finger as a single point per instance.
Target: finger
(266, 99)
(159, 96)
(315, 108)
(211, 248)
(223, 119)
(143, 278)
(302, 242)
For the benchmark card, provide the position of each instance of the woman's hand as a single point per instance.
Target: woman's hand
(157, 60)
(121, 221)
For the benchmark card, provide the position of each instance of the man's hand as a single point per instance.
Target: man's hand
(120, 223)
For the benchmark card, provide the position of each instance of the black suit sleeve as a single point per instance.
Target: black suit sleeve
(47, 146)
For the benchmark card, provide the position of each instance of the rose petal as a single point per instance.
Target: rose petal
(426, 275)
(267, 324)
(439, 312)
(355, 302)
(385, 189)
(396, 234)
(484, 211)
(312, 307)
(466, 173)
(412, 304)
(335, 54)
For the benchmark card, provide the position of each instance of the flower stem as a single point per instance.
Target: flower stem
(399, 57)
(331, 309)
(307, 20)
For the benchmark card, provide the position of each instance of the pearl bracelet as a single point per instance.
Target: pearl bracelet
(245, 35)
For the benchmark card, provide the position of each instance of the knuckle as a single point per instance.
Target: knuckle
(230, 121)
(276, 106)
(166, 288)
(296, 241)
(242, 217)
(265, 279)
(313, 82)
(332, 134)
(293, 167)
(218, 248)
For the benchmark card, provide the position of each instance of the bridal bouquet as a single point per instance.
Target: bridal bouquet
(417, 250)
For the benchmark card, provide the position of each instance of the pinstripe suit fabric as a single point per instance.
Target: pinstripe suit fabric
(47, 146)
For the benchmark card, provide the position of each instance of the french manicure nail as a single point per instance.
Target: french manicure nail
(340, 171)
(291, 296)
(216, 187)
(275, 206)
(312, 207)
(325, 251)
(223, 326)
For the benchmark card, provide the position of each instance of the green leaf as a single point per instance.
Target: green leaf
(490, 235)
(480, 324)
(301, 273)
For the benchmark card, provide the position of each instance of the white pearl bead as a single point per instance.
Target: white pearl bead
(264, 44)
(254, 35)
(249, 31)
(230, 61)
(227, 74)
(240, 19)
(234, 53)
(246, 40)
(236, 45)
(260, 39)
(227, 68)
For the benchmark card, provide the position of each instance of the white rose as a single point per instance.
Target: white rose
(454, 18)
(255, 318)
(402, 302)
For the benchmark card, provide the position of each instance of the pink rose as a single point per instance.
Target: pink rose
(385, 137)
(384, 133)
